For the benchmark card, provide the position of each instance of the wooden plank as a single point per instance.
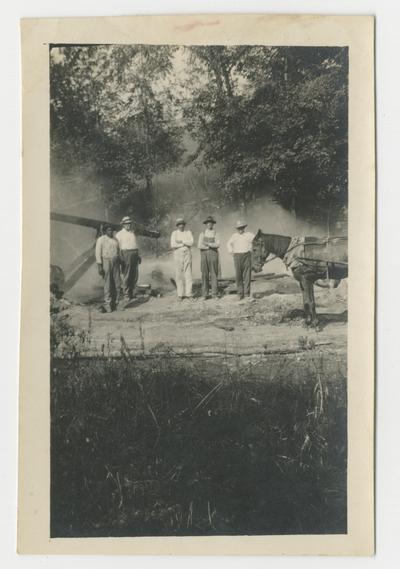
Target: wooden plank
(80, 271)
(79, 260)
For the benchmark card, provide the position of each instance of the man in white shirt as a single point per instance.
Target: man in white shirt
(240, 246)
(130, 259)
(208, 244)
(108, 261)
(181, 243)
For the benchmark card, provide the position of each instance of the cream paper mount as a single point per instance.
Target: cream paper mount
(357, 33)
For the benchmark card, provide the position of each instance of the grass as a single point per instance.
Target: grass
(197, 447)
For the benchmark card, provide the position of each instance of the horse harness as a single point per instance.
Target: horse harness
(311, 263)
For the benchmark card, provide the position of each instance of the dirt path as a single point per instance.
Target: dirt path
(218, 325)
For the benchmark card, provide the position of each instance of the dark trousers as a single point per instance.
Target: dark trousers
(130, 271)
(209, 271)
(243, 272)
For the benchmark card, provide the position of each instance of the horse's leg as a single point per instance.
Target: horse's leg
(314, 318)
(305, 288)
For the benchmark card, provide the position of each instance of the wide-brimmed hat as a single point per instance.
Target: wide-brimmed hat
(209, 219)
(126, 219)
(240, 224)
(180, 221)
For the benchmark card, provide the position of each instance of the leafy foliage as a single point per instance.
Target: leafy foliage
(263, 120)
(65, 340)
(276, 120)
(109, 108)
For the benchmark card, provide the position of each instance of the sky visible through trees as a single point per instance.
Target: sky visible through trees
(222, 125)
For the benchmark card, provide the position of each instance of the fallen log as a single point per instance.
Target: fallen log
(269, 276)
(176, 353)
(215, 353)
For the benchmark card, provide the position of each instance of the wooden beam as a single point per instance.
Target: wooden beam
(80, 271)
(79, 260)
(97, 223)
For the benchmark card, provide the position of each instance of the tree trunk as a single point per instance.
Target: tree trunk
(227, 81)
(218, 78)
(105, 204)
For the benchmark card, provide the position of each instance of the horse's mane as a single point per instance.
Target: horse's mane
(278, 244)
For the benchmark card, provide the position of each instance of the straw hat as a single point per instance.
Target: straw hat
(209, 219)
(125, 220)
(240, 224)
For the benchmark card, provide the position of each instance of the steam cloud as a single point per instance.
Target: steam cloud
(81, 196)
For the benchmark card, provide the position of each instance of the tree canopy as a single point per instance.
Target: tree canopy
(110, 109)
(262, 120)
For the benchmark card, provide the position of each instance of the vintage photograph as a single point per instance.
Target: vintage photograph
(198, 293)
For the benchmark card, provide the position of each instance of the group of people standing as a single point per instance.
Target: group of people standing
(239, 246)
(118, 260)
(118, 263)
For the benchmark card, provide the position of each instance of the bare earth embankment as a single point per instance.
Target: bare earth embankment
(271, 323)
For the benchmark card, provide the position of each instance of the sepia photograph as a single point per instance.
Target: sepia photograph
(198, 302)
(197, 333)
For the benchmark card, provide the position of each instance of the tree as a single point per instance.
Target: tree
(275, 120)
(263, 121)
(111, 109)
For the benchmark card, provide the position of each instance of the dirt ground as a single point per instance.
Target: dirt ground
(270, 323)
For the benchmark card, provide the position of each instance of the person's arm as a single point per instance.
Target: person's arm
(217, 242)
(201, 245)
(98, 254)
(175, 244)
(230, 244)
(119, 254)
(136, 240)
(189, 239)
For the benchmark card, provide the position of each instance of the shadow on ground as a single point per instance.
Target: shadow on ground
(324, 319)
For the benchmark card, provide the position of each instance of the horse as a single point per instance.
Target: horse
(324, 258)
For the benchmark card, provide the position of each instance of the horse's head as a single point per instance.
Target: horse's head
(259, 252)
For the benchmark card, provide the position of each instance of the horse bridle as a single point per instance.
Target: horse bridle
(266, 256)
(268, 259)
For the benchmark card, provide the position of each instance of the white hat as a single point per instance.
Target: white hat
(240, 224)
(126, 219)
(180, 221)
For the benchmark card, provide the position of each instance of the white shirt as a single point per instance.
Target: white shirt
(126, 239)
(106, 248)
(208, 238)
(240, 242)
(181, 239)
